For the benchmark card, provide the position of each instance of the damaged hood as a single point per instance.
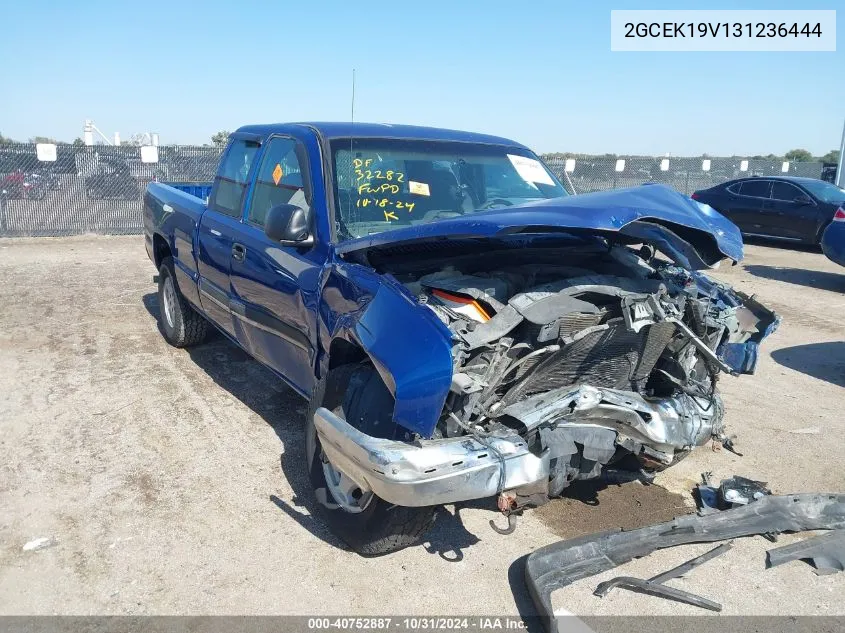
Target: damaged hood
(693, 234)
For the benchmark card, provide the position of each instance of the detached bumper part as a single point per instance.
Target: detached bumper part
(826, 552)
(428, 472)
(560, 564)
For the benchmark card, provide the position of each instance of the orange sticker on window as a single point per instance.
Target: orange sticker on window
(277, 173)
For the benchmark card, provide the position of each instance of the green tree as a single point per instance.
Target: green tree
(831, 157)
(5, 140)
(798, 156)
(78, 142)
(43, 139)
(220, 139)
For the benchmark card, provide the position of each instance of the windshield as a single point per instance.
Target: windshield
(824, 191)
(382, 184)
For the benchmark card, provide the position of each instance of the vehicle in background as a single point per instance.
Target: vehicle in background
(829, 172)
(21, 185)
(114, 181)
(48, 177)
(781, 207)
(833, 239)
(461, 327)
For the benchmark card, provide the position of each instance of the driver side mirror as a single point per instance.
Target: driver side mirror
(803, 200)
(287, 224)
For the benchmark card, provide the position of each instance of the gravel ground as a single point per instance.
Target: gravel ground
(171, 481)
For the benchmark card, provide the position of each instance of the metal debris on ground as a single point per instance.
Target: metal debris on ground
(560, 564)
(741, 491)
(654, 586)
(731, 492)
(826, 552)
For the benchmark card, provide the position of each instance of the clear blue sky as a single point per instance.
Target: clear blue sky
(539, 72)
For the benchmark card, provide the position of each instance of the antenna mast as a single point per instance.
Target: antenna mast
(352, 119)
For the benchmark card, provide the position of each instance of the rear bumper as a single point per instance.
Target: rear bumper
(428, 472)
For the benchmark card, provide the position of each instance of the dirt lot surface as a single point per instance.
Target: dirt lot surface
(171, 481)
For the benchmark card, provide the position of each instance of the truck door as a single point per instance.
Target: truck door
(218, 226)
(276, 287)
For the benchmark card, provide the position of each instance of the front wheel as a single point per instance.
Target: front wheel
(368, 524)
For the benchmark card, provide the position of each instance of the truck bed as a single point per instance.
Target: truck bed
(175, 210)
(200, 190)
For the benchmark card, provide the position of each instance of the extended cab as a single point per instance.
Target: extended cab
(460, 326)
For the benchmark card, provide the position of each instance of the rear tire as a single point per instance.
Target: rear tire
(181, 325)
(356, 393)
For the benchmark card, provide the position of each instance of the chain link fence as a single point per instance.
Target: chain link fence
(95, 189)
(583, 175)
(100, 189)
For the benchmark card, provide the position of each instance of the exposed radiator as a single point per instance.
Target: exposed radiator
(615, 358)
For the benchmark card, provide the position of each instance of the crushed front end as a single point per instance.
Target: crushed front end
(568, 359)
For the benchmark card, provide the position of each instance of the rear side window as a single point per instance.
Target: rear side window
(232, 178)
(755, 188)
(785, 191)
(280, 180)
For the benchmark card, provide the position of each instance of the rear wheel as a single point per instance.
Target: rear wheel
(181, 325)
(368, 524)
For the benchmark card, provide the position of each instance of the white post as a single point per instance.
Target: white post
(88, 133)
(117, 139)
(840, 170)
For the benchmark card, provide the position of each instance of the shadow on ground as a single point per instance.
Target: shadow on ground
(259, 389)
(822, 280)
(825, 361)
(262, 391)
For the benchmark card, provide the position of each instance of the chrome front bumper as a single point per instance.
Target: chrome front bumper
(427, 472)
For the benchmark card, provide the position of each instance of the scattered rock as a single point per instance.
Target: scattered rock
(39, 543)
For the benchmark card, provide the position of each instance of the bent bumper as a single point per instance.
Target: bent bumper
(428, 472)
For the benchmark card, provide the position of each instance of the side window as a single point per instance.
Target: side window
(231, 179)
(755, 188)
(734, 188)
(785, 191)
(279, 180)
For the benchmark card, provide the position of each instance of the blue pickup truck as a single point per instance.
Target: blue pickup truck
(461, 327)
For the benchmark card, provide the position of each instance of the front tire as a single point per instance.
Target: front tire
(181, 325)
(368, 524)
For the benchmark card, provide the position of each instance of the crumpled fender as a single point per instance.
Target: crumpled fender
(408, 345)
(741, 357)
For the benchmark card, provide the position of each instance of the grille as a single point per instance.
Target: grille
(613, 358)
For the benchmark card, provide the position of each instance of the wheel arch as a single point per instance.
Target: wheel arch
(408, 346)
(161, 249)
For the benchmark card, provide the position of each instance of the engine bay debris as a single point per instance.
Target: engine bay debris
(600, 355)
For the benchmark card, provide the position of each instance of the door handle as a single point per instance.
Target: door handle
(238, 252)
